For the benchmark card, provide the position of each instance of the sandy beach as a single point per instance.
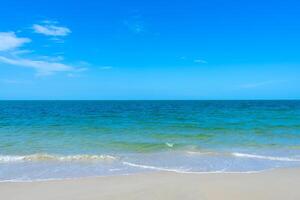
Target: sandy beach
(275, 184)
(149, 100)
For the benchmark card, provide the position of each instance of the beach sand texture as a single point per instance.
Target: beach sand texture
(274, 185)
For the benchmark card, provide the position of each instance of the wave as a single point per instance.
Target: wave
(153, 167)
(168, 144)
(87, 157)
(244, 155)
(187, 171)
(49, 157)
(203, 153)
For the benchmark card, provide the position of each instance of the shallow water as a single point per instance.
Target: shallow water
(66, 139)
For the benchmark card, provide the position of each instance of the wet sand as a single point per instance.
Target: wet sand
(274, 185)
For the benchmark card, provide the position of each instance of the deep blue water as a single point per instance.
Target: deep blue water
(65, 139)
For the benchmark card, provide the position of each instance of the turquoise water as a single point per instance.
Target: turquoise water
(67, 139)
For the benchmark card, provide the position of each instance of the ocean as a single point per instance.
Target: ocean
(42, 140)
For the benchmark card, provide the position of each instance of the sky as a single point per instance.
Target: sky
(140, 50)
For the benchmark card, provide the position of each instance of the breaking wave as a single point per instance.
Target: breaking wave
(244, 155)
(50, 157)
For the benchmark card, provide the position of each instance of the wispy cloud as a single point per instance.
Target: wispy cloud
(76, 73)
(135, 24)
(200, 61)
(14, 81)
(259, 84)
(49, 28)
(11, 54)
(9, 41)
(51, 58)
(18, 52)
(42, 67)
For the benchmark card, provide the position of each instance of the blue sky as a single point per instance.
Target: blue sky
(149, 50)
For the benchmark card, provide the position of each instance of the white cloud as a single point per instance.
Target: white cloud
(51, 58)
(49, 22)
(11, 54)
(50, 29)
(42, 67)
(259, 84)
(135, 24)
(73, 75)
(21, 52)
(14, 81)
(82, 69)
(200, 61)
(9, 41)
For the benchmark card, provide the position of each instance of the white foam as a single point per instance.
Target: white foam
(151, 167)
(243, 155)
(169, 144)
(6, 159)
(115, 169)
(49, 157)
(187, 171)
(202, 153)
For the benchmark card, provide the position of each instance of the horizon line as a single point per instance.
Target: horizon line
(295, 99)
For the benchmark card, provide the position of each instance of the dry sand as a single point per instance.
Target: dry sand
(281, 184)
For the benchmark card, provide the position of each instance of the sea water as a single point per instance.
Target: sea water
(42, 140)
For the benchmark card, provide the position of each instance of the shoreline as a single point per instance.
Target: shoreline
(145, 172)
(45, 167)
(271, 184)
